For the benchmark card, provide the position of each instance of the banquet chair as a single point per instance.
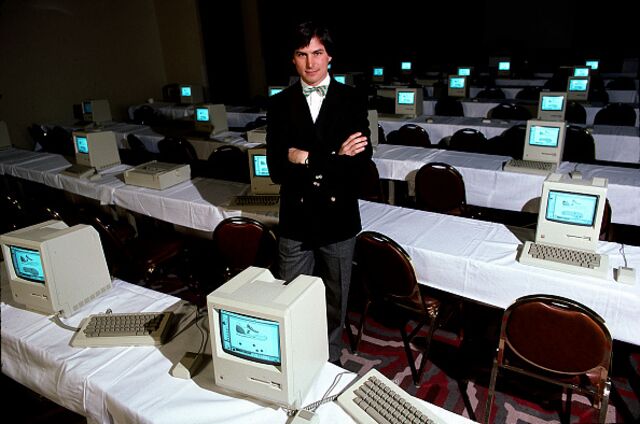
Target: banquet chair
(448, 106)
(369, 185)
(575, 113)
(135, 258)
(440, 188)
(494, 93)
(179, 150)
(556, 340)
(579, 145)
(529, 93)
(621, 83)
(509, 111)
(468, 140)
(138, 152)
(410, 135)
(509, 143)
(390, 287)
(228, 163)
(240, 242)
(619, 114)
(145, 115)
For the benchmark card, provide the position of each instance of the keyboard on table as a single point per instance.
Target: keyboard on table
(529, 166)
(376, 399)
(126, 329)
(257, 200)
(565, 259)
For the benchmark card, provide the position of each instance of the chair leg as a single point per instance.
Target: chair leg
(567, 407)
(492, 392)
(406, 340)
(356, 343)
(604, 401)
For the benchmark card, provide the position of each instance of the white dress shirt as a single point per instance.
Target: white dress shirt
(314, 100)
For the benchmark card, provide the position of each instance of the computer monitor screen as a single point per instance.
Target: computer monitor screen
(340, 78)
(464, 72)
(578, 84)
(54, 268)
(456, 82)
(552, 106)
(96, 149)
(211, 119)
(185, 91)
(593, 64)
(275, 89)
(268, 337)
(571, 208)
(405, 66)
(504, 65)
(571, 211)
(408, 101)
(582, 71)
(544, 141)
(259, 176)
(97, 111)
(378, 71)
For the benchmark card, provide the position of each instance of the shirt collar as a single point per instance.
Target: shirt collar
(326, 81)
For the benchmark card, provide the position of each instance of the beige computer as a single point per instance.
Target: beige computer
(552, 106)
(264, 194)
(210, 119)
(94, 151)
(543, 148)
(569, 221)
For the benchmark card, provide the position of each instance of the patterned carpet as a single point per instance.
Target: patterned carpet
(515, 402)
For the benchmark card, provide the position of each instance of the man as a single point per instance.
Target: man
(317, 144)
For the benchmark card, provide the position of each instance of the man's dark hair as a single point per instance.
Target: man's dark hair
(305, 31)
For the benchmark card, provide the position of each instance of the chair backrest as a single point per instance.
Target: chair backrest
(387, 272)
(557, 334)
(61, 141)
(449, 106)
(529, 93)
(260, 121)
(510, 142)
(39, 135)
(440, 188)
(177, 150)
(509, 111)
(411, 135)
(576, 113)
(228, 163)
(139, 152)
(621, 114)
(468, 140)
(491, 93)
(145, 115)
(579, 145)
(622, 83)
(369, 186)
(241, 242)
(598, 95)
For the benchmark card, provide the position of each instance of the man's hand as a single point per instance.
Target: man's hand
(298, 156)
(353, 145)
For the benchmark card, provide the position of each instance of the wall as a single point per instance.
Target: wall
(55, 53)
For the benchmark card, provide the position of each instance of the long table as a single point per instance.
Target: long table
(471, 258)
(616, 144)
(132, 384)
(489, 186)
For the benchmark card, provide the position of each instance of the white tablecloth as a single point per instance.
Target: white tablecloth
(489, 186)
(617, 144)
(477, 260)
(127, 385)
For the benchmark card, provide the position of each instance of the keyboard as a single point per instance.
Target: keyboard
(394, 117)
(82, 171)
(565, 259)
(529, 166)
(127, 329)
(376, 399)
(258, 200)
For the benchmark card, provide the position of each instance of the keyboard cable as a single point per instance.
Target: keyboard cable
(325, 398)
(56, 319)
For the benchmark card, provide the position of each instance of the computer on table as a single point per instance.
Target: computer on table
(569, 221)
(344, 78)
(543, 148)
(552, 106)
(465, 71)
(458, 86)
(594, 64)
(94, 151)
(578, 89)
(504, 67)
(408, 104)
(264, 195)
(190, 93)
(268, 336)
(406, 67)
(377, 74)
(97, 112)
(210, 119)
(54, 268)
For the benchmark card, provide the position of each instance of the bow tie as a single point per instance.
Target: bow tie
(320, 89)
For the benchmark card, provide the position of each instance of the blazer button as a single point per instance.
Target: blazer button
(318, 177)
(302, 200)
(333, 199)
(316, 184)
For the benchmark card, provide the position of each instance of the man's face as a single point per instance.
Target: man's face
(312, 62)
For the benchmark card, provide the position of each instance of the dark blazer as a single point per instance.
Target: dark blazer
(318, 201)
